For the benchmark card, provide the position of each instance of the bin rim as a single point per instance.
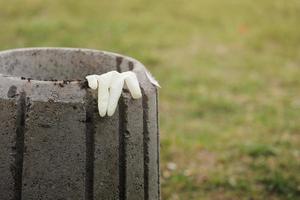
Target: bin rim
(139, 67)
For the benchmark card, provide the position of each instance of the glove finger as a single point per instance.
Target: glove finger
(133, 84)
(103, 94)
(115, 93)
(92, 81)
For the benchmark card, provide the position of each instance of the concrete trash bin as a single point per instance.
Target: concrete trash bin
(54, 144)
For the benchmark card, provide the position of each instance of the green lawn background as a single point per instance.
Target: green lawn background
(230, 76)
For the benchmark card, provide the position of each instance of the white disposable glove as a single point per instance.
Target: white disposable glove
(110, 87)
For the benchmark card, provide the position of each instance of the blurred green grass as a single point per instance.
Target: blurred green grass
(230, 76)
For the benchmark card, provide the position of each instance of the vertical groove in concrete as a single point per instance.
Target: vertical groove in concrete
(151, 142)
(146, 144)
(122, 143)
(20, 125)
(119, 62)
(122, 148)
(158, 143)
(90, 147)
(134, 148)
(8, 116)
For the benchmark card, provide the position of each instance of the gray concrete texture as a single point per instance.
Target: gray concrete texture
(53, 143)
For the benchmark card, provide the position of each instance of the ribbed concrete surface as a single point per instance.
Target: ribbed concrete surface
(54, 145)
